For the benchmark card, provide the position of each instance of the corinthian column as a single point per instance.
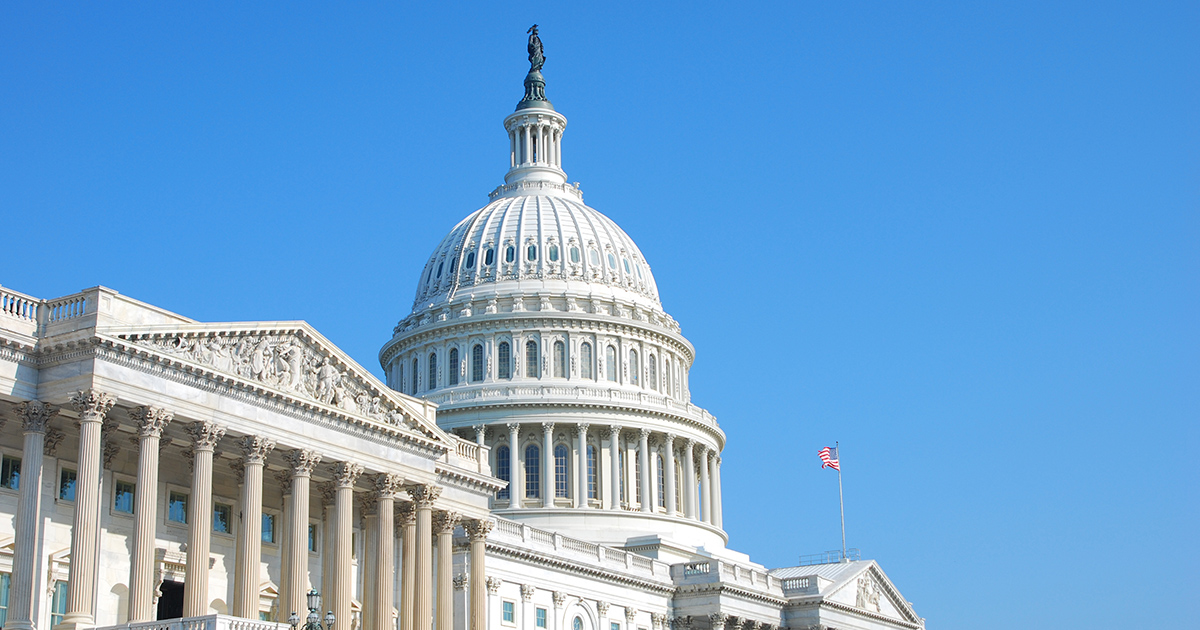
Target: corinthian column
(715, 475)
(35, 419)
(205, 436)
(386, 487)
(516, 483)
(669, 473)
(549, 472)
(614, 466)
(477, 531)
(151, 421)
(424, 496)
(644, 465)
(444, 523)
(368, 510)
(249, 569)
(581, 499)
(705, 488)
(85, 534)
(344, 474)
(406, 518)
(689, 479)
(295, 568)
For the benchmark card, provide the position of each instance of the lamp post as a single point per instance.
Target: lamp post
(313, 622)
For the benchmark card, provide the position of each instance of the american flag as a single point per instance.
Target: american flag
(829, 458)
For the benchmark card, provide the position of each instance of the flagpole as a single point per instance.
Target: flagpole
(841, 501)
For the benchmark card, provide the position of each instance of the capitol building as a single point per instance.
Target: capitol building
(533, 459)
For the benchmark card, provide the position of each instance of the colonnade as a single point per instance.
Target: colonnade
(699, 463)
(535, 144)
(416, 521)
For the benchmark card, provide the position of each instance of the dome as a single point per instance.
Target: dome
(529, 245)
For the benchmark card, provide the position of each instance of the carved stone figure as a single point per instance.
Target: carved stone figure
(536, 59)
(328, 379)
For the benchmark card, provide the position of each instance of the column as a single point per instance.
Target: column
(614, 466)
(151, 421)
(581, 497)
(386, 487)
(406, 516)
(706, 502)
(644, 465)
(85, 533)
(205, 436)
(516, 484)
(477, 531)
(512, 157)
(344, 476)
(669, 473)
(295, 566)
(480, 433)
(715, 477)
(35, 419)
(328, 525)
(444, 523)
(424, 496)
(527, 155)
(548, 471)
(689, 478)
(368, 509)
(249, 566)
(283, 479)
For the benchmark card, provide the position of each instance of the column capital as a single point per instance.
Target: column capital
(527, 591)
(151, 421)
(36, 415)
(614, 431)
(92, 405)
(406, 514)
(460, 582)
(479, 428)
(643, 433)
(368, 504)
(54, 437)
(656, 619)
(560, 599)
(583, 427)
(284, 479)
(205, 435)
(388, 484)
(547, 427)
(513, 426)
(479, 528)
(717, 621)
(444, 521)
(255, 449)
(424, 495)
(239, 470)
(302, 462)
(602, 607)
(689, 443)
(493, 584)
(630, 614)
(328, 490)
(669, 438)
(346, 473)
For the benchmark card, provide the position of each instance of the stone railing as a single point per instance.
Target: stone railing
(582, 551)
(18, 305)
(208, 622)
(798, 586)
(29, 315)
(717, 570)
(467, 454)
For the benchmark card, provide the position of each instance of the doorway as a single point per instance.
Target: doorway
(170, 604)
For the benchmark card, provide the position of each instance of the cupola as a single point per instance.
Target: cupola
(535, 129)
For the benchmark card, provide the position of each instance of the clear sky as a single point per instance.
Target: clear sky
(962, 238)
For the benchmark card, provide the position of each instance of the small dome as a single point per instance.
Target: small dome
(528, 244)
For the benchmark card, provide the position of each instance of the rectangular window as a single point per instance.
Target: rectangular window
(222, 518)
(10, 473)
(5, 585)
(123, 497)
(614, 626)
(541, 617)
(504, 361)
(58, 603)
(268, 528)
(312, 537)
(66, 485)
(510, 613)
(264, 616)
(177, 507)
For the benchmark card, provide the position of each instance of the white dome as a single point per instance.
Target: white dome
(535, 239)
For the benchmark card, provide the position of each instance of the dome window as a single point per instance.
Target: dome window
(612, 261)
(489, 257)
(552, 252)
(531, 252)
(628, 270)
(453, 265)
(594, 256)
(471, 260)
(510, 254)
(440, 265)
(639, 271)
(575, 255)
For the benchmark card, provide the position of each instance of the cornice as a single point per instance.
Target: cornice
(475, 482)
(533, 557)
(722, 587)
(853, 610)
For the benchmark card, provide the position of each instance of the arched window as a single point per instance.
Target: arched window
(471, 260)
(454, 366)
(510, 254)
(552, 252)
(414, 377)
(504, 361)
(585, 360)
(432, 383)
(594, 256)
(633, 367)
(453, 265)
(653, 368)
(531, 359)
(610, 361)
(489, 257)
(612, 261)
(533, 472)
(560, 470)
(531, 252)
(504, 471)
(591, 471)
(577, 624)
(560, 359)
(477, 363)
(637, 475)
(575, 254)
(440, 265)
(667, 374)
(662, 482)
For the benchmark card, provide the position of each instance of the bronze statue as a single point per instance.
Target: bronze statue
(536, 60)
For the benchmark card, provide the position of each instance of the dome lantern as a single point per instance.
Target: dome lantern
(535, 129)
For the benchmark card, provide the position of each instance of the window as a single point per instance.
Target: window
(503, 471)
(560, 470)
(66, 485)
(58, 603)
(653, 367)
(531, 359)
(633, 367)
(638, 268)
(432, 382)
(453, 265)
(667, 375)
(510, 254)
(628, 269)
(177, 507)
(662, 483)
(477, 363)
(510, 614)
(312, 537)
(454, 366)
(612, 261)
(5, 586)
(577, 624)
(123, 493)
(489, 257)
(531, 252)
(429, 276)
(591, 471)
(533, 476)
(268, 528)
(594, 256)
(264, 615)
(575, 254)
(10, 473)
(439, 271)
(504, 369)
(471, 260)
(541, 617)
(610, 360)
(637, 475)
(585, 360)
(614, 626)
(222, 518)
(414, 377)
(552, 252)
(560, 359)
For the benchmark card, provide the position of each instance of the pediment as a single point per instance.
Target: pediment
(290, 359)
(870, 590)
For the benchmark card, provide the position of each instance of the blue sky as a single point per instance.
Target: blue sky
(963, 239)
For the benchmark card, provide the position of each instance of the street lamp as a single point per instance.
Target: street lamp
(313, 622)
